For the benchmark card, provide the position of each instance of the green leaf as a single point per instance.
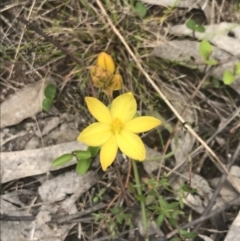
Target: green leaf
(140, 9)
(159, 220)
(181, 203)
(187, 234)
(140, 198)
(174, 239)
(205, 49)
(83, 166)
(116, 210)
(102, 191)
(200, 29)
(46, 104)
(62, 160)
(216, 83)
(237, 68)
(150, 199)
(173, 221)
(94, 150)
(191, 24)
(163, 203)
(228, 77)
(50, 91)
(211, 62)
(82, 154)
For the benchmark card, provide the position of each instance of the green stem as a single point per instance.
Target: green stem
(139, 190)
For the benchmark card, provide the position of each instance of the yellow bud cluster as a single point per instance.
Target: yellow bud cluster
(103, 74)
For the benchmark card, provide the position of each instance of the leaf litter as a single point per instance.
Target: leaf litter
(64, 193)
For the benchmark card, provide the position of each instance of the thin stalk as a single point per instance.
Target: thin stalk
(139, 190)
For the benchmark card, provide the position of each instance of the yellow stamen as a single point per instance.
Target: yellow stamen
(117, 125)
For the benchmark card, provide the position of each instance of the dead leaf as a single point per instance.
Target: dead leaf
(189, 4)
(217, 34)
(19, 164)
(233, 233)
(67, 188)
(25, 103)
(227, 192)
(23, 231)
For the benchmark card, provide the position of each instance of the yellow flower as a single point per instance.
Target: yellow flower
(104, 76)
(117, 128)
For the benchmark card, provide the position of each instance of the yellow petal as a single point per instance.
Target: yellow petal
(96, 134)
(131, 145)
(106, 62)
(108, 153)
(124, 107)
(98, 110)
(97, 82)
(108, 92)
(93, 71)
(116, 83)
(141, 124)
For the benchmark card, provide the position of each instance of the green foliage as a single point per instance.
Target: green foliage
(50, 93)
(229, 77)
(184, 190)
(206, 51)
(115, 219)
(163, 209)
(84, 159)
(168, 210)
(211, 62)
(140, 9)
(93, 150)
(187, 235)
(109, 222)
(121, 216)
(99, 195)
(212, 83)
(82, 154)
(60, 161)
(83, 166)
(237, 68)
(46, 104)
(216, 83)
(192, 25)
(160, 220)
(175, 239)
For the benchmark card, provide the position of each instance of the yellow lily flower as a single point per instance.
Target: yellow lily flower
(104, 76)
(117, 128)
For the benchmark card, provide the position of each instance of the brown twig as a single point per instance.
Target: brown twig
(65, 218)
(13, 218)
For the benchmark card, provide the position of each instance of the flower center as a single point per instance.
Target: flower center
(117, 125)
